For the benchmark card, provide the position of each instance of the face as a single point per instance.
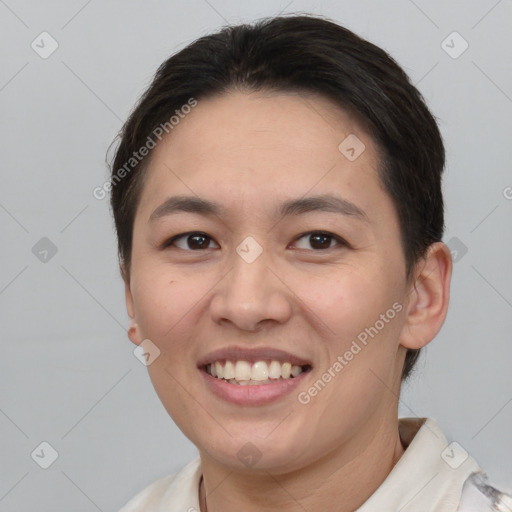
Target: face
(321, 287)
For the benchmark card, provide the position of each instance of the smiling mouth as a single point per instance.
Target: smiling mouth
(245, 373)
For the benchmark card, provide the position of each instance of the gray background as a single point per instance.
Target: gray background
(68, 373)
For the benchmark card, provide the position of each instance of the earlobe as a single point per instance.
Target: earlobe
(133, 332)
(429, 297)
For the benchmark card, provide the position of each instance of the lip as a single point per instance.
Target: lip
(252, 394)
(251, 355)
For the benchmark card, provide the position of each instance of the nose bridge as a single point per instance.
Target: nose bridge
(250, 274)
(251, 292)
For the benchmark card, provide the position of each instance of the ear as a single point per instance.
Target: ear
(428, 297)
(133, 331)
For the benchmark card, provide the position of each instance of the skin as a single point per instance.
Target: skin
(250, 152)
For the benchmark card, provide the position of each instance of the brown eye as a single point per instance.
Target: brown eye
(320, 240)
(192, 241)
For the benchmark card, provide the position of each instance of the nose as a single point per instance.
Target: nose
(251, 295)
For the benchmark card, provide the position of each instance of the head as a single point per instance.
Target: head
(250, 118)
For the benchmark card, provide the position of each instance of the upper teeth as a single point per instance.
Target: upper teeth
(259, 371)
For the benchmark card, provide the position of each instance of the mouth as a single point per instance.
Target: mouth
(255, 376)
(258, 373)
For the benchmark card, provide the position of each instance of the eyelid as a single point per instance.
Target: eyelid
(341, 241)
(169, 241)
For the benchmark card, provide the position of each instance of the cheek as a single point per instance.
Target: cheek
(364, 318)
(359, 316)
(347, 303)
(164, 302)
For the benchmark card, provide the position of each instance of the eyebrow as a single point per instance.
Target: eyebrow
(323, 203)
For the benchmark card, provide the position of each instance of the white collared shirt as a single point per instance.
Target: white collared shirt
(431, 476)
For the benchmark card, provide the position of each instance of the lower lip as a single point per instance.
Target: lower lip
(252, 394)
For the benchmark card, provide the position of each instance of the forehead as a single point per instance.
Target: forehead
(304, 122)
(263, 144)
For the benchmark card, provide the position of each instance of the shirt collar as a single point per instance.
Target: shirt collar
(428, 477)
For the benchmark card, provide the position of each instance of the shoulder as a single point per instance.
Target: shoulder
(479, 496)
(149, 498)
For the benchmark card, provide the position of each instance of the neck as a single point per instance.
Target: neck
(341, 481)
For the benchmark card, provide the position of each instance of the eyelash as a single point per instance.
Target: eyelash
(341, 241)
